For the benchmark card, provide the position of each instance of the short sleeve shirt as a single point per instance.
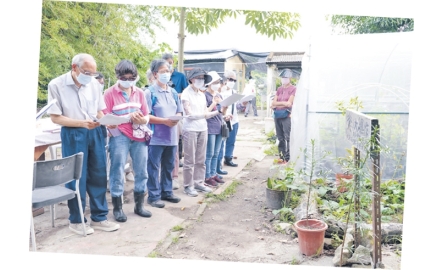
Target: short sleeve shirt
(179, 80)
(119, 103)
(214, 123)
(165, 106)
(284, 94)
(73, 102)
(198, 106)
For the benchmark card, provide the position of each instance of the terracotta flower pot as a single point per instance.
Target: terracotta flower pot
(311, 233)
(340, 183)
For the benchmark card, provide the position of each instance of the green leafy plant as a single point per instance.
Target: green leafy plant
(354, 103)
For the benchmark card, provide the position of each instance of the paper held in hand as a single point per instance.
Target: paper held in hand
(230, 100)
(110, 120)
(246, 98)
(177, 117)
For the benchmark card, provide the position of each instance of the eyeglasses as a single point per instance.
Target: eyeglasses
(199, 78)
(89, 73)
(127, 79)
(232, 80)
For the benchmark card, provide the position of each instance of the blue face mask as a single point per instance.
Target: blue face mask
(164, 78)
(84, 79)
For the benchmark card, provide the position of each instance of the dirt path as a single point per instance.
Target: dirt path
(239, 229)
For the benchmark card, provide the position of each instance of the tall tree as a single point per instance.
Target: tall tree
(345, 24)
(109, 32)
(201, 20)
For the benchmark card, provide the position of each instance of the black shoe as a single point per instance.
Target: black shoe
(229, 162)
(138, 207)
(219, 171)
(117, 211)
(172, 198)
(245, 115)
(180, 164)
(157, 204)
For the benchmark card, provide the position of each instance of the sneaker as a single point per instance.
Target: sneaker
(78, 228)
(281, 161)
(175, 184)
(210, 182)
(218, 179)
(105, 225)
(190, 191)
(202, 188)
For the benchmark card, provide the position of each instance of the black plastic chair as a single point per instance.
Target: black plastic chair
(48, 185)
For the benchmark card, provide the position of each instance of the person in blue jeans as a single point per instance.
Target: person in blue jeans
(126, 100)
(163, 102)
(214, 124)
(79, 103)
(234, 120)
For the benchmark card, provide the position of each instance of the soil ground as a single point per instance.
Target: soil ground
(242, 229)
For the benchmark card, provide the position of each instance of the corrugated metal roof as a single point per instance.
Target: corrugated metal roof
(222, 55)
(284, 57)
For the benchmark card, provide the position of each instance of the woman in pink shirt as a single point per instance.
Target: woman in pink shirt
(127, 100)
(282, 103)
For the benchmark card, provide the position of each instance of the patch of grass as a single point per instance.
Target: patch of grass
(175, 239)
(153, 254)
(295, 261)
(272, 150)
(177, 228)
(230, 190)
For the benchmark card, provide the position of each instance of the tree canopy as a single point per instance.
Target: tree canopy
(201, 20)
(346, 24)
(109, 32)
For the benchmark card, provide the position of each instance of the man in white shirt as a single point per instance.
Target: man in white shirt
(250, 89)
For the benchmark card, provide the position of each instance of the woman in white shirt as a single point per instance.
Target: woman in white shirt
(195, 131)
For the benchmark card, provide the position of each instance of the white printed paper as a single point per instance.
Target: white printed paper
(230, 100)
(176, 117)
(111, 119)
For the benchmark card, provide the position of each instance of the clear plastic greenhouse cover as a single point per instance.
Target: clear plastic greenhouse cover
(374, 67)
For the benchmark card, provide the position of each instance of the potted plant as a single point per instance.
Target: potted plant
(310, 231)
(279, 188)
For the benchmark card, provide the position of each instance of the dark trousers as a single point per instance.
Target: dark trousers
(283, 129)
(93, 181)
(161, 160)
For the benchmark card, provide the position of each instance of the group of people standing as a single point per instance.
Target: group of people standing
(150, 136)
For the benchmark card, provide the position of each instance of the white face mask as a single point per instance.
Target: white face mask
(285, 81)
(230, 84)
(84, 79)
(199, 83)
(215, 87)
(164, 78)
(126, 84)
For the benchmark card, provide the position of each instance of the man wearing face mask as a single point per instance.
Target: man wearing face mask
(282, 104)
(125, 99)
(79, 103)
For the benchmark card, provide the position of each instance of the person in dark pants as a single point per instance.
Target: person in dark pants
(179, 83)
(162, 151)
(282, 104)
(79, 105)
